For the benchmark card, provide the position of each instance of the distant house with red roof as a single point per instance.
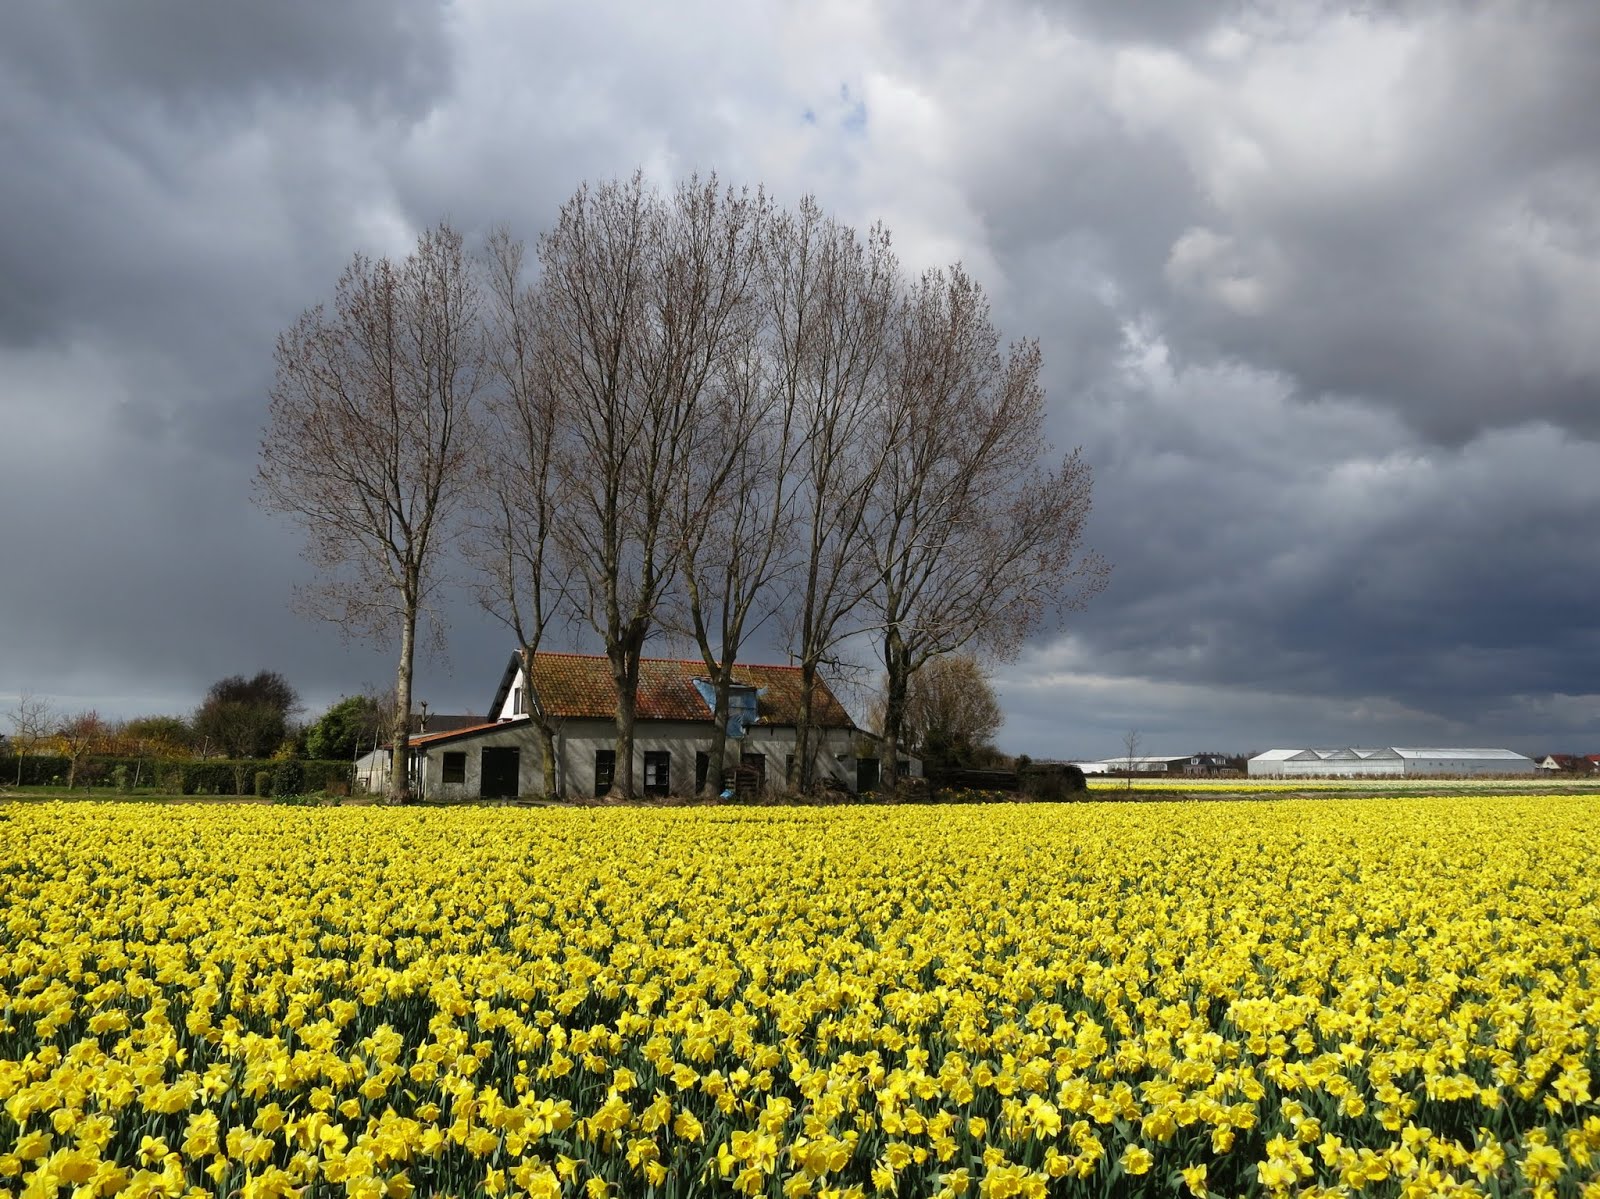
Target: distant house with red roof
(1570, 763)
(499, 756)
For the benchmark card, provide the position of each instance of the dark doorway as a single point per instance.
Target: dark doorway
(757, 763)
(867, 775)
(500, 769)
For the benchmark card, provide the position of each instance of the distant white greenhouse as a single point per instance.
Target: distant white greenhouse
(1390, 762)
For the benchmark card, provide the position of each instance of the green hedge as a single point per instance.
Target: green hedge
(38, 770)
(211, 777)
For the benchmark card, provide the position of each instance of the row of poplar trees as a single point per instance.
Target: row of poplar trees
(693, 410)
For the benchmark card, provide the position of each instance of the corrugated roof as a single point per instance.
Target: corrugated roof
(441, 723)
(579, 686)
(1148, 758)
(463, 731)
(1285, 755)
(1490, 754)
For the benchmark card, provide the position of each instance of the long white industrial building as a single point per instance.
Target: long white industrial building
(1393, 762)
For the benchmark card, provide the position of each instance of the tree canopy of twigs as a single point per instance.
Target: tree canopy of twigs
(367, 443)
(974, 535)
(692, 411)
(952, 713)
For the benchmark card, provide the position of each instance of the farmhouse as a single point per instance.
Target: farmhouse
(501, 756)
(1387, 762)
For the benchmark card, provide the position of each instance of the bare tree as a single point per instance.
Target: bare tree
(638, 295)
(831, 293)
(366, 439)
(32, 718)
(951, 710)
(517, 506)
(161, 736)
(736, 497)
(1130, 749)
(974, 540)
(77, 737)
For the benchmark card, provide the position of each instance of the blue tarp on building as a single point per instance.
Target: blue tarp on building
(742, 704)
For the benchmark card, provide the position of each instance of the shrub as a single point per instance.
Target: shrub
(264, 782)
(328, 775)
(209, 778)
(1052, 782)
(289, 778)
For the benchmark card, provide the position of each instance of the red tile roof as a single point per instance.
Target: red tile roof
(579, 685)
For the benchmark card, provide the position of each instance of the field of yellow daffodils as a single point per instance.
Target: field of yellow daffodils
(1358, 997)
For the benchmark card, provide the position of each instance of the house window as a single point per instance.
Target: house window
(455, 768)
(702, 767)
(788, 769)
(605, 770)
(516, 701)
(657, 772)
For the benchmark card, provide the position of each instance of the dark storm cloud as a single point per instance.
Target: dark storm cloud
(180, 180)
(1364, 244)
(1325, 552)
(1314, 283)
(162, 158)
(392, 56)
(1434, 248)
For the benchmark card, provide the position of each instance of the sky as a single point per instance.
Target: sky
(1316, 285)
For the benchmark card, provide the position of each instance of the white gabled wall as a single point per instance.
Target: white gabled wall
(577, 741)
(509, 708)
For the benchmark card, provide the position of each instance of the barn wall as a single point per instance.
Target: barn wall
(1325, 768)
(577, 740)
(1449, 765)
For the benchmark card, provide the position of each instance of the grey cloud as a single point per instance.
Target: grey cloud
(1446, 281)
(1161, 21)
(1335, 378)
(202, 57)
(1346, 559)
(1393, 202)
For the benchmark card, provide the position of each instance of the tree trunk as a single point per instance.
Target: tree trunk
(547, 735)
(897, 668)
(625, 674)
(622, 773)
(717, 764)
(399, 772)
(804, 766)
(547, 758)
